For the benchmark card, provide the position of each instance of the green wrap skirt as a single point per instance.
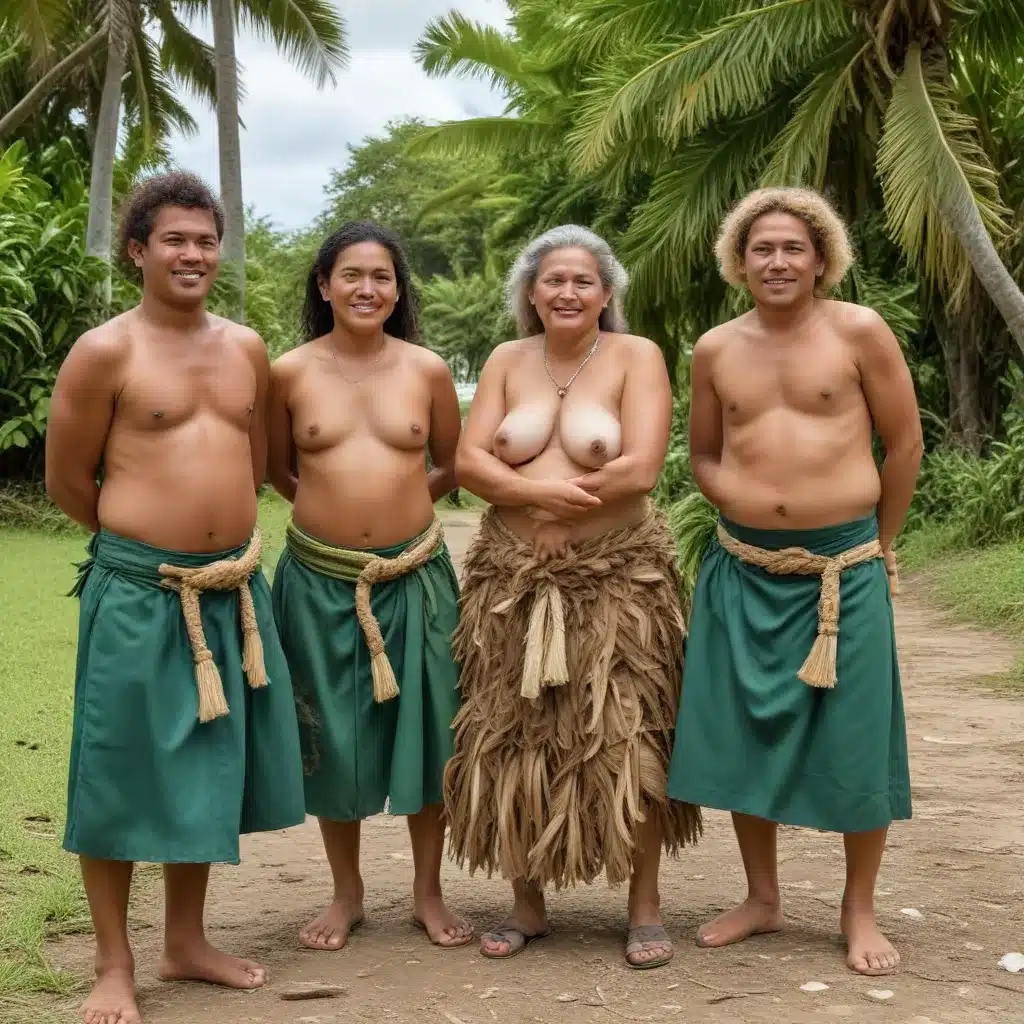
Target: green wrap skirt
(148, 781)
(751, 737)
(362, 757)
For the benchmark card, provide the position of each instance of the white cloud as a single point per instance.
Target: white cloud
(294, 134)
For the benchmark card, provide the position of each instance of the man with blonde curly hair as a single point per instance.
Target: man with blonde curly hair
(792, 711)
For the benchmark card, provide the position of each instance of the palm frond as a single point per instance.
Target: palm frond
(993, 30)
(454, 45)
(931, 165)
(679, 88)
(693, 521)
(310, 34)
(800, 153)
(469, 188)
(188, 59)
(673, 231)
(486, 136)
(42, 22)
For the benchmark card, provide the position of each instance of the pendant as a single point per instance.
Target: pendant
(561, 392)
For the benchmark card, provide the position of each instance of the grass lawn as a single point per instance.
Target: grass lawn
(40, 890)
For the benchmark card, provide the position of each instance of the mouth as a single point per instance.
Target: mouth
(778, 282)
(188, 275)
(566, 310)
(364, 307)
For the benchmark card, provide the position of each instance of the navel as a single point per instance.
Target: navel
(781, 510)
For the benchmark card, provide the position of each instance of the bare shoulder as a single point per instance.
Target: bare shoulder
(427, 360)
(238, 334)
(509, 352)
(633, 346)
(291, 362)
(857, 324)
(104, 347)
(715, 341)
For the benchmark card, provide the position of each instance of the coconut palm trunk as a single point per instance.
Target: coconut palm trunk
(104, 153)
(222, 14)
(997, 281)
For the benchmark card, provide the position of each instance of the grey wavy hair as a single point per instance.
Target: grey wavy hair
(523, 276)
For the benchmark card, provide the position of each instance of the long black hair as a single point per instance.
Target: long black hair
(317, 315)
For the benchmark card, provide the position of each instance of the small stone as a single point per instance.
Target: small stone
(912, 912)
(974, 946)
(881, 994)
(965, 991)
(813, 986)
(412, 961)
(489, 993)
(675, 984)
(1013, 962)
(313, 991)
(567, 997)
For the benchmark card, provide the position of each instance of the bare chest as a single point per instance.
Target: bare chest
(392, 409)
(812, 380)
(165, 391)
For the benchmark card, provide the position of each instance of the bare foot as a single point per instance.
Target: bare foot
(869, 951)
(112, 1000)
(443, 927)
(749, 918)
(653, 942)
(331, 929)
(528, 917)
(202, 962)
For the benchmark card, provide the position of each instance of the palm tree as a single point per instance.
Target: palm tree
(311, 34)
(826, 92)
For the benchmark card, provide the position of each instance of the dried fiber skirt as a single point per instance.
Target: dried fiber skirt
(555, 788)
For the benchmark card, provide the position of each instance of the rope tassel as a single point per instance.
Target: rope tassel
(819, 669)
(226, 574)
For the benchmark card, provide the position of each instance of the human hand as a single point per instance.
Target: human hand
(889, 557)
(564, 499)
(550, 540)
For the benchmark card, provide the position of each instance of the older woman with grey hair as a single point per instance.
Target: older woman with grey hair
(570, 638)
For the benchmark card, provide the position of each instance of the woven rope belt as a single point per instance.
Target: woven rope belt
(227, 574)
(365, 569)
(820, 667)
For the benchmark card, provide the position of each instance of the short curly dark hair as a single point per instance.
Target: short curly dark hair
(178, 188)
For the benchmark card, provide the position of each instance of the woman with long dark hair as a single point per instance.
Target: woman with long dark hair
(365, 595)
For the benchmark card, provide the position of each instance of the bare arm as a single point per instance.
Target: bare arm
(257, 353)
(445, 427)
(482, 473)
(889, 391)
(705, 422)
(81, 412)
(646, 416)
(281, 456)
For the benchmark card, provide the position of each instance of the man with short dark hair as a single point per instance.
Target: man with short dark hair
(185, 732)
(792, 710)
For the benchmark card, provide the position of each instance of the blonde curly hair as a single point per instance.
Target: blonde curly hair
(826, 228)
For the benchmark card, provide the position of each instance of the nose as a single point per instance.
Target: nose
(365, 287)
(778, 260)
(191, 253)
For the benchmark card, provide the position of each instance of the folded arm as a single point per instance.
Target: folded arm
(646, 416)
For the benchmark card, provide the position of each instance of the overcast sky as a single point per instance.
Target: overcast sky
(294, 135)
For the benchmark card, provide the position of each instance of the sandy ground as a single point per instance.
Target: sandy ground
(959, 866)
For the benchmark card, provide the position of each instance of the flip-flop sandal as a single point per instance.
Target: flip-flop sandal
(445, 945)
(516, 938)
(641, 939)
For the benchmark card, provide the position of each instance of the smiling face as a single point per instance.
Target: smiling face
(568, 293)
(179, 260)
(363, 287)
(781, 264)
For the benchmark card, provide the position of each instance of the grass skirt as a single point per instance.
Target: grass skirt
(554, 789)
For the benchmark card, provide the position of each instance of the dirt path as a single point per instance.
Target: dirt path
(959, 863)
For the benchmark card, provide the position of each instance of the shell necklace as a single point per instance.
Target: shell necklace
(562, 390)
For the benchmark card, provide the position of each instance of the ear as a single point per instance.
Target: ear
(135, 252)
(322, 284)
(819, 269)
